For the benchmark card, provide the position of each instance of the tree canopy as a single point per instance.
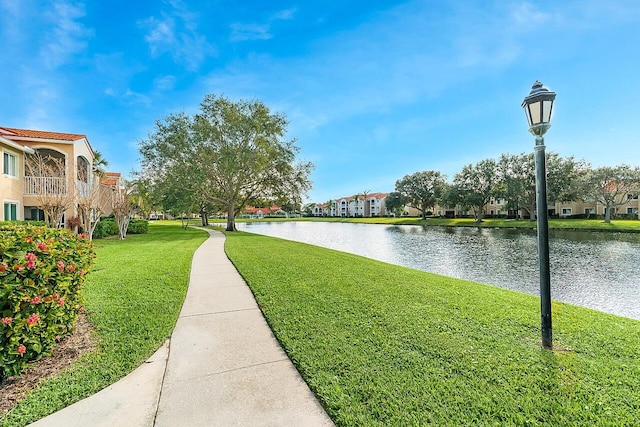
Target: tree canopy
(613, 186)
(477, 184)
(422, 189)
(229, 154)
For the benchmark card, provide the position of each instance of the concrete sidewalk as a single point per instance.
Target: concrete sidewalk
(222, 366)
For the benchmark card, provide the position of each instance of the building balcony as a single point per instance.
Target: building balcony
(42, 185)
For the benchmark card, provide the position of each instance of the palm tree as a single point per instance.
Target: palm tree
(330, 204)
(99, 164)
(355, 203)
(365, 193)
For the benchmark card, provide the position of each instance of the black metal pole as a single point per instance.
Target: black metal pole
(543, 243)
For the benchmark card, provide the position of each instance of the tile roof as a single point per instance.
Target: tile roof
(111, 179)
(40, 134)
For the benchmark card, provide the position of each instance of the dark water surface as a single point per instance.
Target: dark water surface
(595, 270)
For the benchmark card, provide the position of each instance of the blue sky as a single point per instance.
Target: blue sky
(373, 90)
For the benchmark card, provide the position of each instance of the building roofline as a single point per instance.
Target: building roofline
(12, 144)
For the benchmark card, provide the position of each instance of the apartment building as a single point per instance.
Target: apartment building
(371, 205)
(20, 186)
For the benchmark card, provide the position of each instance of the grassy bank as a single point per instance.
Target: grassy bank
(386, 345)
(133, 297)
(618, 225)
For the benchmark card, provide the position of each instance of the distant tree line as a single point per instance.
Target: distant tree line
(512, 178)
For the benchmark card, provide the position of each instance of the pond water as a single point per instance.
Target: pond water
(595, 270)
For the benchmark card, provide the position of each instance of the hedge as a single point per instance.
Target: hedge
(42, 271)
(107, 227)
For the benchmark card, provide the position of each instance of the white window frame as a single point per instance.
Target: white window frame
(10, 169)
(567, 211)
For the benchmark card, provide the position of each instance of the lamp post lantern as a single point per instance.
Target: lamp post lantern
(538, 106)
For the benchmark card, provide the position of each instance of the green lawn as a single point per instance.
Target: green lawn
(133, 297)
(384, 345)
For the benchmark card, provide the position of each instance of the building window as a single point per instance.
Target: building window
(9, 164)
(566, 211)
(632, 211)
(589, 211)
(632, 197)
(10, 211)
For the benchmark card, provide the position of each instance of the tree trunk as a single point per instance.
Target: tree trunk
(532, 211)
(478, 213)
(607, 214)
(231, 218)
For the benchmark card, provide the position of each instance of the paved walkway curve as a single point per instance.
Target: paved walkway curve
(221, 367)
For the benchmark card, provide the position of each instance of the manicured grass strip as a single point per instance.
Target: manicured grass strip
(384, 345)
(133, 297)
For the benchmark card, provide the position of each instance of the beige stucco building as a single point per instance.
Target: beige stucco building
(19, 187)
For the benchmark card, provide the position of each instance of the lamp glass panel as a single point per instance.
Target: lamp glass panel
(534, 109)
(546, 110)
(527, 113)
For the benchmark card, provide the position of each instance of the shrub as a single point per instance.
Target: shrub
(108, 227)
(138, 226)
(105, 227)
(42, 271)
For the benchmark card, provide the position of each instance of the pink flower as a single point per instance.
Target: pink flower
(36, 300)
(28, 240)
(71, 268)
(30, 256)
(3, 266)
(61, 302)
(82, 273)
(83, 236)
(81, 309)
(56, 297)
(17, 267)
(31, 265)
(42, 246)
(33, 319)
(60, 266)
(7, 320)
(21, 349)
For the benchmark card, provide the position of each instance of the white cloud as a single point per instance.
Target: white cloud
(176, 33)
(164, 83)
(137, 98)
(254, 31)
(68, 36)
(285, 14)
(161, 34)
(242, 32)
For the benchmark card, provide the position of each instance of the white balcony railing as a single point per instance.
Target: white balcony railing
(34, 185)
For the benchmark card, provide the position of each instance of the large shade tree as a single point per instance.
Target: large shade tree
(422, 189)
(477, 184)
(395, 203)
(564, 180)
(229, 154)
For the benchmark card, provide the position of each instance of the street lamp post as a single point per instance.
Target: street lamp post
(538, 106)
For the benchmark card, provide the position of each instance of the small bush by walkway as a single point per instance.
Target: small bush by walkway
(387, 345)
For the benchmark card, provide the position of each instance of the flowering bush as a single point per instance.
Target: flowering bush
(42, 271)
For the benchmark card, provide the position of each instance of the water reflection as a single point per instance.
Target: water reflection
(596, 270)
